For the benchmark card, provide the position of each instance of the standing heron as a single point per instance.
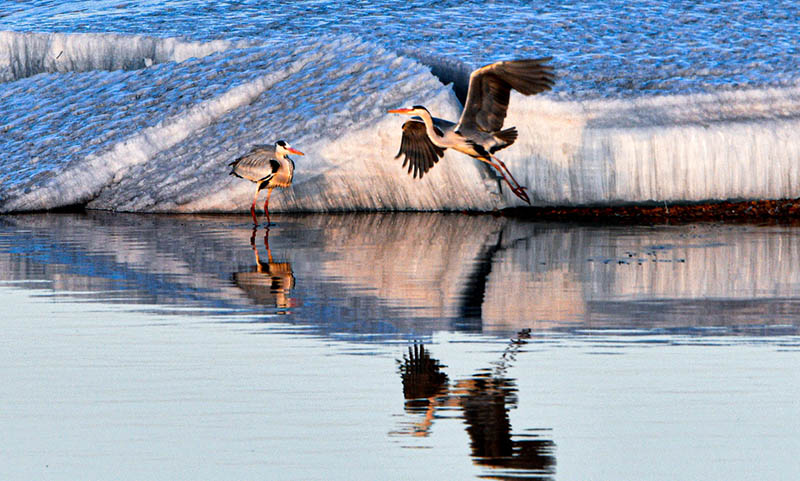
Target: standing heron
(269, 166)
(478, 132)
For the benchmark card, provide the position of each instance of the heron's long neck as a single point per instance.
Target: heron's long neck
(429, 128)
(287, 161)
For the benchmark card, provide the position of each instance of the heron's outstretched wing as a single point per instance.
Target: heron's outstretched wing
(490, 86)
(256, 165)
(420, 153)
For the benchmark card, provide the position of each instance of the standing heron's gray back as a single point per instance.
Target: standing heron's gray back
(255, 165)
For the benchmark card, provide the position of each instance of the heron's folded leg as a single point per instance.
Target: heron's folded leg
(518, 190)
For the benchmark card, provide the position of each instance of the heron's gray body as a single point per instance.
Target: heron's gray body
(269, 166)
(265, 166)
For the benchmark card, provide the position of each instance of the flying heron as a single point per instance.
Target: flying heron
(267, 165)
(478, 132)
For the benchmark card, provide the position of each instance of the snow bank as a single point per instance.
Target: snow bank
(26, 54)
(721, 146)
(158, 139)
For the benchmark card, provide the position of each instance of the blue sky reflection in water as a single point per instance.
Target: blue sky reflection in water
(376, 345)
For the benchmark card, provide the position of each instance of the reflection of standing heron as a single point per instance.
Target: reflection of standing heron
(478, 132)
(269, 166)
(485, 400)
(268, 283)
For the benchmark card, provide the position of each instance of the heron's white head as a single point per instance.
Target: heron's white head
(282, 148)
(415, 110)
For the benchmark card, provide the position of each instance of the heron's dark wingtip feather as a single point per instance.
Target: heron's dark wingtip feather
(420, 153)
(491, 85)
(528, 76)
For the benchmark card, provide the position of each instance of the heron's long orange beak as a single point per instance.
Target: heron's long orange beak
(400, 111)
(295, 151)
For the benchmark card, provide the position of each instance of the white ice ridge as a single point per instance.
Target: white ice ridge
(334, 110)
(720, 146)
(23, 54)
(158, 139)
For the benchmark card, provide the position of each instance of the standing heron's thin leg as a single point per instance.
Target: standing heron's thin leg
(253, 207)
(266, 204)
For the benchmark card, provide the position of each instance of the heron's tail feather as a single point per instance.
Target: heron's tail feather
(507, 137)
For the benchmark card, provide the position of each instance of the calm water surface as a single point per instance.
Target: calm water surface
(396, 346)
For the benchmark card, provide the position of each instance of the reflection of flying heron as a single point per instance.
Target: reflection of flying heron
(267, 165)
(423, 381)
(268, 283)
(485, 400)
(477, 132)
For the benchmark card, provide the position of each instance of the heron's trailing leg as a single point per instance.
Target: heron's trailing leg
(517, 189)
(507, 171)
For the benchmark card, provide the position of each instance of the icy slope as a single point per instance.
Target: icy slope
(602, 48)
(160, 138)
(335, 112)
(120, 132)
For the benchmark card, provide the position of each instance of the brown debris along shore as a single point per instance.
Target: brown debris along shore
(783, 211)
